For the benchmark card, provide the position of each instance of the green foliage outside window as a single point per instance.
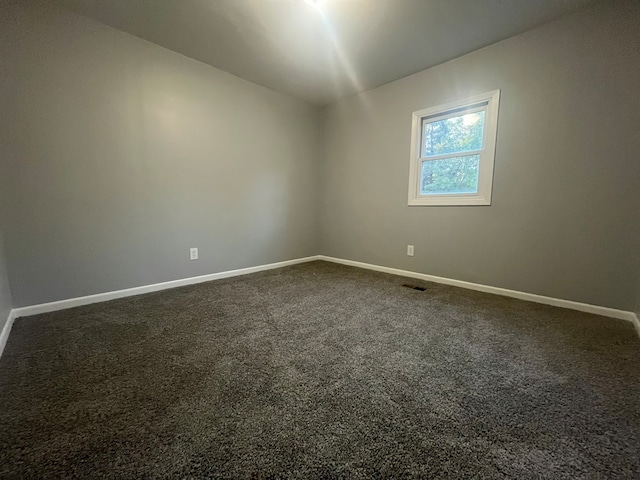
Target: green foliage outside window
(455, 174)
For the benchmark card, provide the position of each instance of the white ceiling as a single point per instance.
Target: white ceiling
(321, 54)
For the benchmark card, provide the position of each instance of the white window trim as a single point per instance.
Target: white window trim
(487, 154)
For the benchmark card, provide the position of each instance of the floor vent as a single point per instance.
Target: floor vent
(421, 289)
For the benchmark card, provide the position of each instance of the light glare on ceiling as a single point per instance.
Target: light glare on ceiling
(314, 3)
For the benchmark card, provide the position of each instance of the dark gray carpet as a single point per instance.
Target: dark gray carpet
(319, 371)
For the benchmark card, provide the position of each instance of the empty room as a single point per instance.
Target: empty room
(312, 239)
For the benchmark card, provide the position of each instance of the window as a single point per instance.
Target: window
(452, 152)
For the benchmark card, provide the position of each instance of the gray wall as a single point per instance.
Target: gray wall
(117, 156)
(122, 155)
(637, 309)
(566, 175)
(637, 262)
(637, 258)
(5, 291)
(7, 84)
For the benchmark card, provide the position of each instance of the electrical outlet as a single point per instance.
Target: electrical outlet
(193, 254)
(410, 250)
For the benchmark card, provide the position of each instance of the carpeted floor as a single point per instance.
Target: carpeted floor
(320, 371)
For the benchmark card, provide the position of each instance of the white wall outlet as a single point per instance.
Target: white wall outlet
(193, 254)
(410, 250)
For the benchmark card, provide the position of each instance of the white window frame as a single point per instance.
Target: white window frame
(489, 103)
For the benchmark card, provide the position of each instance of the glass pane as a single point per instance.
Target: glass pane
(453, 135)
(450, 175)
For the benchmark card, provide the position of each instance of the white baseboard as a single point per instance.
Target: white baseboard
(636, 322)
(6, 330)
(531, 297)
(104, 297)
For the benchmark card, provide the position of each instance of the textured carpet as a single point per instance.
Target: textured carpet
(319, 371)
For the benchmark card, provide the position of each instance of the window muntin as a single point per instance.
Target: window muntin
(452, 152)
